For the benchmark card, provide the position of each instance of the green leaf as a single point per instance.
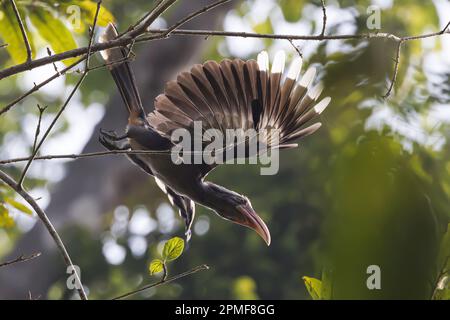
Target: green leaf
(53, 31)
(292, 9)
(5, 220)
(156, 266)
(314, 287)
(19, 206)
(10, 33)
(173, 248)
(89, 8)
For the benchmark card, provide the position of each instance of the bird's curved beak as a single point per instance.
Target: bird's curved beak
(253, 221)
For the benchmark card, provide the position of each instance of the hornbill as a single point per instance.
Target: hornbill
(232, 94)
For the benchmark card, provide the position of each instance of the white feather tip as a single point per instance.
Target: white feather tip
(294, 69)
(263, 61)
(278, 62)
(322, 105)
(308, 77)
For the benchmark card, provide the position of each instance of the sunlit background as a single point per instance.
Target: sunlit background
(371, 187)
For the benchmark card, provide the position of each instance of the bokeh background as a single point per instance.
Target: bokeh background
(371, 187)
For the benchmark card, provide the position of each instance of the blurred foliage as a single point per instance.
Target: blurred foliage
(54, 22)
(372, 187)
(8, 203)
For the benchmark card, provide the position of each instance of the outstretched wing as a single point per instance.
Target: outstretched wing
(236, 94)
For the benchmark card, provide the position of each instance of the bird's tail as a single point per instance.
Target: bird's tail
(119, 67)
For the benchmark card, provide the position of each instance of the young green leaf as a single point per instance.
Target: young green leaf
(173, 248)
(5, 220)
(10, 33)
(155, 266)
(314, 287)
(19, 206)
(89, 8)
(53, 31)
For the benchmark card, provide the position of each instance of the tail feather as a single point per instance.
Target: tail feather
(122, 74)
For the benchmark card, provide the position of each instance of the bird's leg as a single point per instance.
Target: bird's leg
(112, 135)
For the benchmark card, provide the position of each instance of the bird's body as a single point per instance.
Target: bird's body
(230, 96)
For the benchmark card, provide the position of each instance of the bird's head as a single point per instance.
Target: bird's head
(236, 208)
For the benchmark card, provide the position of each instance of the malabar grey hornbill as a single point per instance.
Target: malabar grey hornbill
(232, 94)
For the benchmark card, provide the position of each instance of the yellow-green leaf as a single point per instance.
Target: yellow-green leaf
(173, 248)
(314, 287)
(156, 266)
(292, 9)
(19, 206)
(10, 33)
(53, 31)
(5, 220)
(89, 8)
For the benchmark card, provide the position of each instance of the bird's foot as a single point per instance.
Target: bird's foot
(111, 144)
(112, 135)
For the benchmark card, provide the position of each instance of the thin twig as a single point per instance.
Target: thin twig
(143, 18)
(3, 45)
(22, 30)
(395, 73)
(92, 155)
(296, 48)
(154, 14)
(48, 225)
(38, 127)
(40, 85)
(156, 34)
(324, 17)
(193, 15)
(168, 280)
(22, 258)
(61, 110)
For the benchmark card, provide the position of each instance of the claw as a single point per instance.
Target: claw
(112, 135)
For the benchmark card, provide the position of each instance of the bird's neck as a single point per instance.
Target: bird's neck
(212, 195)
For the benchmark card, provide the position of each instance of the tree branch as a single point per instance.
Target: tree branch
(324, 17)
(22, 258)
(395, 73)
(164, 281)
(22, 30)
(48, 225)
(160, 33)
(40, 85)
(61, 110)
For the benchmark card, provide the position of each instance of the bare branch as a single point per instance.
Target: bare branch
(22, 30)
(164, 281)
(324, 17)
(43, 217)
(22, 258)
(194, 15)
(61, 110)
(394, 75)
(128, 38)
(296, 48)
(40, 85)
(86, 155)
(155, 13)
(38, 127)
